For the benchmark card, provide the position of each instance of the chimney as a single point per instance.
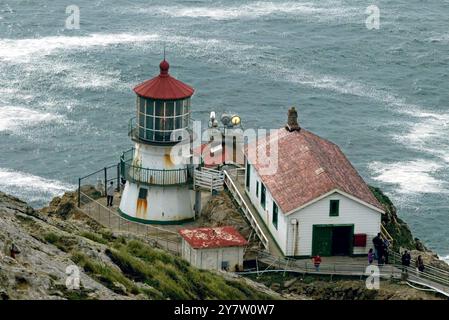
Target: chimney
(292, 122)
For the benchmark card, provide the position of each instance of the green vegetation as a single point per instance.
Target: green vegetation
(141, 269)
(94, 237)
(61, 242)
(105, 274)
(395, 226)
(174, 277)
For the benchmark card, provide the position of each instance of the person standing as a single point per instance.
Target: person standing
(385, 249)
(405, 259)
(419, 265)
(370, 256)
(110, 194)
(377, 242)
(317, 262)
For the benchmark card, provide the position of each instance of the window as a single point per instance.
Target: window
(275, 215)
(257, 188)
(262, 195)
(143, 193)
(248, 177)
(334, 208)
(225, 265)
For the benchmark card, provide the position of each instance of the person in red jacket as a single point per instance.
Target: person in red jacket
(317, 262)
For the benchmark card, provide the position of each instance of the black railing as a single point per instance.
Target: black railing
(158, 177)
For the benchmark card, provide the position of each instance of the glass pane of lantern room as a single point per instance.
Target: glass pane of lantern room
(169, 124)
(159, 123)
(141, 120)
(150, 107)
(169, 109)
(159, 108)
(142, 105)
(149, 124)
(179, 110)
(178, 122)
(149, 135)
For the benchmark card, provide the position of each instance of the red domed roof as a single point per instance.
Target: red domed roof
(164, 86)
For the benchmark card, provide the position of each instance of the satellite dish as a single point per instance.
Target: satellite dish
(226, 119)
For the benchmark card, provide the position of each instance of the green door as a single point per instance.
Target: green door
(322, 240)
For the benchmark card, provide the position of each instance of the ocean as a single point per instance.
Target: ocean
(381, 94)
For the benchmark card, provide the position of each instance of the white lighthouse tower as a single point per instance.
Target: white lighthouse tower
(157, 189)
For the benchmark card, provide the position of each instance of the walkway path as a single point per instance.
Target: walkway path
(241, 196)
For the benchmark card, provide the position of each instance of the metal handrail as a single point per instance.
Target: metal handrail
(171, 240)
(386, 234)
(429, 270)
(247, 211)
(158, 177)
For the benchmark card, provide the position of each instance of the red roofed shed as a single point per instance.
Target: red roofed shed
(219, 248)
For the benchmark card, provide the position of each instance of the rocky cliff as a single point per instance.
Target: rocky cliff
(56, 241)
(403, 237)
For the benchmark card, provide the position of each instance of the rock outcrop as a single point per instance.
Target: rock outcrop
(403, 237)
(324, 289)
(56, 243)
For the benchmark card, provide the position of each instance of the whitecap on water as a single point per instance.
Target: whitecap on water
(32, 188)
(14, 118)
(21, 50)
(321, 11)
(410, 177)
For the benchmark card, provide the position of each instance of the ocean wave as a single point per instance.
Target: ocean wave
(411, 177)
(32, 188)
(24, 49)
(256, 10)
(445, 259)
(14, 118)
(426, 135)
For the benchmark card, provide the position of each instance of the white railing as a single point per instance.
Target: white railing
(246, 210)
(209, 179)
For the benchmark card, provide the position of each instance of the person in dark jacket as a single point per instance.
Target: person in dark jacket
(378, 245)
(419, 265)
(406, 258)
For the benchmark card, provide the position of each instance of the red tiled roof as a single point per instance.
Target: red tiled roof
(309, 167)
(164, 86)
(202, 238)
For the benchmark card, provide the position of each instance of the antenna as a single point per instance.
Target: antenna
(164, 51)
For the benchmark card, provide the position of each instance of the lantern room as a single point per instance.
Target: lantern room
(163, 108)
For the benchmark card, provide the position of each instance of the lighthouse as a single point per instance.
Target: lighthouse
(158, 190)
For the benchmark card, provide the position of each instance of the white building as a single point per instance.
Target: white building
(218, 248)
(315, 202)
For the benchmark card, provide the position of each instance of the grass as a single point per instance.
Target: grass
(174, 277)
(61, 242)
(94, 237)
(105, 274)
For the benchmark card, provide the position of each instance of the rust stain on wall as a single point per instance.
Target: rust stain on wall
(168, 163)
(142, 206)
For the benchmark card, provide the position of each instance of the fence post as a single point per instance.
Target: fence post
(79, 192)
(105, 181)
(118, 178)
